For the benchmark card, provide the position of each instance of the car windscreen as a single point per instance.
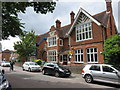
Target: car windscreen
(60, 66)
(33, 64)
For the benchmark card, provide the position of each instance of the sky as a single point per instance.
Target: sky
(41, 23)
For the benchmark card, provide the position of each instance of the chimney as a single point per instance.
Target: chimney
(58, 24)
(109, 6)
(72, 17)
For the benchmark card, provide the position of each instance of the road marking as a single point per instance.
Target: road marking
(26, 78)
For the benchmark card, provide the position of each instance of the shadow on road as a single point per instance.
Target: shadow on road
(107, 84)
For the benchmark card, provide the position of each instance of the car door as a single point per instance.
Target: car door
(95, 71)
(109, 74)
(50, 69)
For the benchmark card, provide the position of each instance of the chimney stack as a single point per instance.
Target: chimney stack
(58, 24)
(109, 6)
(72, 14)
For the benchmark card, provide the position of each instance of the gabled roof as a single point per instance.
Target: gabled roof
(41, 37)
(62, 32)
(102, 18)
(87, 14)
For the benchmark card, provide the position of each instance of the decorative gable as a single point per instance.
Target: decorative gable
(52, 28)
(81, 17)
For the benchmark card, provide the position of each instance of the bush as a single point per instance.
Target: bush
(112, 50)
(39, 61)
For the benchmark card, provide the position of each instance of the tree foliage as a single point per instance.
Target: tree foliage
(112, 50)
(11, 23)
(27, 46)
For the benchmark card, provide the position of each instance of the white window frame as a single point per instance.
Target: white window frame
(86, 33)
(60, 40)
(51, 41)
(52, 56)
(81, 53)
(90, 53)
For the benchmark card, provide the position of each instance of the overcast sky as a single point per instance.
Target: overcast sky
(41, 23)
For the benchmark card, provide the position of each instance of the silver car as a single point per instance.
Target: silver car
(102, 73)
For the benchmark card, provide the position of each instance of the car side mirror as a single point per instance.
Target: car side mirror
(3, 71)
(114, 72)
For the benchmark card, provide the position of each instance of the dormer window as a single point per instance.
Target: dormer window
(83, 32)
(52, 41)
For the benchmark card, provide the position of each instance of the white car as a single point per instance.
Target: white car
(31, 66)
(101, 72)
(5, 63)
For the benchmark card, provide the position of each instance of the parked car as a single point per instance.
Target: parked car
(31, 66)
(0, 62)
(101, 72)
(4, 83)
(55, 69)
(5, 64)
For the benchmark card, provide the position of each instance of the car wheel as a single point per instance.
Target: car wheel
(57, 74)
(43, 72)
(88, 78)
(23, 69)
(29, 70)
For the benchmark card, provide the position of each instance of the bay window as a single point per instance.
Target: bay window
(52, 41)
(52, 54)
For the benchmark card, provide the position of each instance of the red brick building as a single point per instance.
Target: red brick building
(6, 55)
(79, 42)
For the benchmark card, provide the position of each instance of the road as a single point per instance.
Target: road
(25, 79)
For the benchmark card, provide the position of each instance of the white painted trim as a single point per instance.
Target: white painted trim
(48, 41)
(52, 51)
(93, 55)
(78, 62)
(84, 32)
(77, 56)
(87, 14)
(59, 42)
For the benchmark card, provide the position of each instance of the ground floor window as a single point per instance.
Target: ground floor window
(79, 55)
(92, 55)
(52, 55)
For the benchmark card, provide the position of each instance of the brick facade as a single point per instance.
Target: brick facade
(6, 55)
(61, 44)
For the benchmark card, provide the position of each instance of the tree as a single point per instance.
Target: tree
(112, 50)
(26, 47)
(11, 23)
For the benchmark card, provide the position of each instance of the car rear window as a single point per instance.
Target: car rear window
(95, 67)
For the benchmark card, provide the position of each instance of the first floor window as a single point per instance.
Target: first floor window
(52, 41)
(52, 55)
(84, 32)
(92, 55)
(79, 55)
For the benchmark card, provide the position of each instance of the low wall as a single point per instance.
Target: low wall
(75, 69)
(19, 64)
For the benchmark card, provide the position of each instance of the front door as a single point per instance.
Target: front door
(65, 59)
